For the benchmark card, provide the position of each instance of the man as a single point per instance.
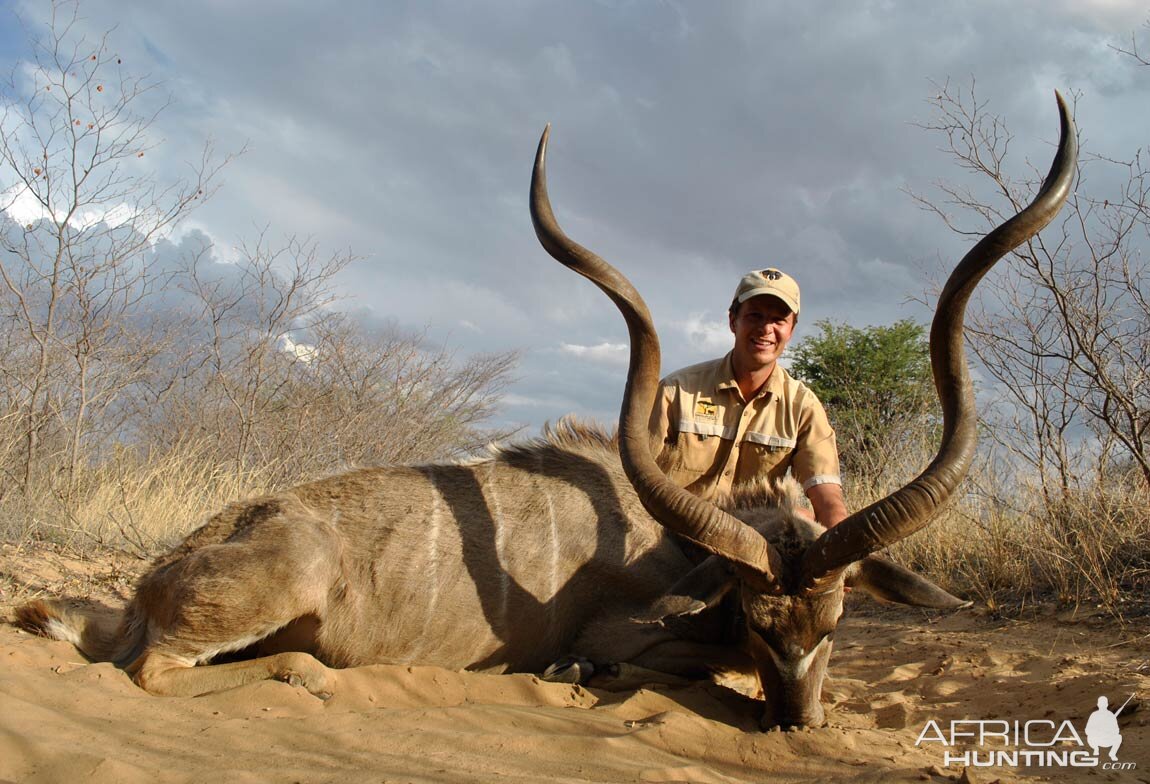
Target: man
(743, 417)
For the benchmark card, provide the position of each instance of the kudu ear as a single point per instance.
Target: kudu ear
(893, 583)
(699, 589)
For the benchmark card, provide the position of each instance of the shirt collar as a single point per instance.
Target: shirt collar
(774, 387)
(726, 374)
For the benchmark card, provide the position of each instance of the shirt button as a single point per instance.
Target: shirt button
(747, 411)
(726, 473)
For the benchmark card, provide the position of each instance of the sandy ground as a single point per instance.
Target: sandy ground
(64, 720)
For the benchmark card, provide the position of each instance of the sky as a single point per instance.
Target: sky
(691, 142)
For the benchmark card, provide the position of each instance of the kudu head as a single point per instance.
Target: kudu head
(791, 586)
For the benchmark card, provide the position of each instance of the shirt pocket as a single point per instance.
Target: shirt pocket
(766, 451)
(697, 447)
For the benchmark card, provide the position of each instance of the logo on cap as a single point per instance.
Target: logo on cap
(769, 281)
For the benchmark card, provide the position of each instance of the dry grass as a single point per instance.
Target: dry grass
(134, 501)
(1011, 550)
(1003, 543)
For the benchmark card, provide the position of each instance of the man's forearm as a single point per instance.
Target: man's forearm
(827, 501)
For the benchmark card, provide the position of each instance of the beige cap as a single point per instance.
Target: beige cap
(769, 281)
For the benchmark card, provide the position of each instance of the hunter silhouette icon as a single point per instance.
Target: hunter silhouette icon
(1102, 728)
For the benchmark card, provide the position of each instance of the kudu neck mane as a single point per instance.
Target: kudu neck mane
(569, 434)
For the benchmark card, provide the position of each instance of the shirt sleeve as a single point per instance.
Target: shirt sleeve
(816, 459)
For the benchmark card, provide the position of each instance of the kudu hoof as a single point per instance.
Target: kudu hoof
(569, 669)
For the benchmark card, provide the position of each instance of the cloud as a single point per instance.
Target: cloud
(302, 352)
(705, 336)
(24, 207)
(690, 143)
(529, 401)
(608, 353)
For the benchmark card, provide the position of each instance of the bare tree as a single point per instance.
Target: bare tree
(74, 133)
(1065, 330)
(384, 396)
(274, 375)
(118, 354)
(1135, 50)
(250, 310)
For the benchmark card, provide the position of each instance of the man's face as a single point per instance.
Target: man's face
(762, 327)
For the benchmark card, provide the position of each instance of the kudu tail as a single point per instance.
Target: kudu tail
(101, 633)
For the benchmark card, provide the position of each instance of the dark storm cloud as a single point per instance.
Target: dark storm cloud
(691, 141)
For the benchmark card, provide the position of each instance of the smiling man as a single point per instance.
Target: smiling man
(743, 417)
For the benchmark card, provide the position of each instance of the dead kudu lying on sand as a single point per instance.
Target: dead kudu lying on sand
(543, 553)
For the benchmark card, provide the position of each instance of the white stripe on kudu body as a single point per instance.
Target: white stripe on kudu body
(500, 541)
(431, 568)
(553, 583)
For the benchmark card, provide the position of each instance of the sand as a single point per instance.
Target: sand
(63, 719)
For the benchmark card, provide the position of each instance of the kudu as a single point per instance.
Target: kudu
(539, 552)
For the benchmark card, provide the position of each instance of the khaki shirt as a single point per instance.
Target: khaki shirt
(712, 438)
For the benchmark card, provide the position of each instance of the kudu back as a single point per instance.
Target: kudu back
(571, 550)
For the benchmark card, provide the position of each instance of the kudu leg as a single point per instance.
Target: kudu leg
(694, 660)
(616, 652)
(171, 676)
(265, 594)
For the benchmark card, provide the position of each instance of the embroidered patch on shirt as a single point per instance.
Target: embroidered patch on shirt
(706, 411)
